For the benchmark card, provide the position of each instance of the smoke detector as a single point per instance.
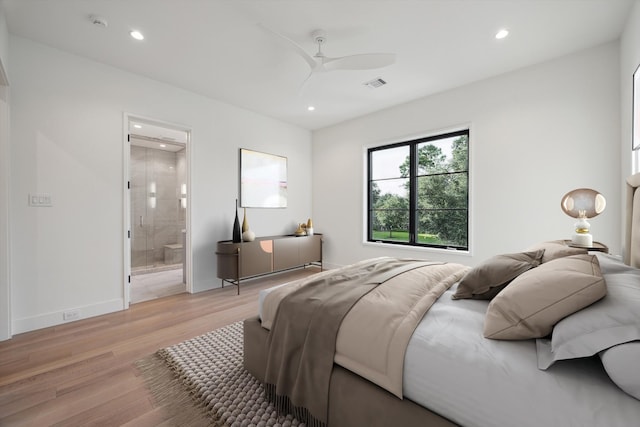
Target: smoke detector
(98, 20)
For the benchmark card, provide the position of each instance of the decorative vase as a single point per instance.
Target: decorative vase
(248, 236)
(245, 222)
(309, 227)
(236, 237)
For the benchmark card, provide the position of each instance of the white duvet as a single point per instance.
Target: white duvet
(474, 381)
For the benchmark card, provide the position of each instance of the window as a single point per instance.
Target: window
(419, 192)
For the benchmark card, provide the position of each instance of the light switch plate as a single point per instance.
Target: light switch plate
(40, 200)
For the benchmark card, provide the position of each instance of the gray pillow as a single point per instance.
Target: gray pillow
(555, 249)
(613, 320)
(488, 278)
(621, 364)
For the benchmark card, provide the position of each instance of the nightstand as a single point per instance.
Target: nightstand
(596, 247)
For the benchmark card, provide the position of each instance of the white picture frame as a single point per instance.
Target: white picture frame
(263, 180)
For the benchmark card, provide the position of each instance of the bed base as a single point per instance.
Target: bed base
(353, 401)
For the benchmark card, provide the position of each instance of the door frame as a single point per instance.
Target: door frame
(5, 225)
(188, 261)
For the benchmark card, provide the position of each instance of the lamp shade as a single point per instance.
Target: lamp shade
(583, 202)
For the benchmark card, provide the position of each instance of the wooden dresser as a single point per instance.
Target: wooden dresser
(266, 255)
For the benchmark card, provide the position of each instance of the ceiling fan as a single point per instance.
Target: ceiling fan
(319, 62)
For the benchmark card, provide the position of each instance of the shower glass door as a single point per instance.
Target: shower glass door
(143, 206)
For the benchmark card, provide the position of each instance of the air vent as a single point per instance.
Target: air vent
(375, 83)
(98, 20)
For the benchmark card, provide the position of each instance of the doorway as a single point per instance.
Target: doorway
(158, 210)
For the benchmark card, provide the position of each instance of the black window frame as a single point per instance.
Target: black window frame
(413, 189)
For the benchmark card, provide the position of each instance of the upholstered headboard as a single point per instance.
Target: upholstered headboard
(632, 231)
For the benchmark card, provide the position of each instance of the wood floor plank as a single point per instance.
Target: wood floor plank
(25, 400)
(83, 373)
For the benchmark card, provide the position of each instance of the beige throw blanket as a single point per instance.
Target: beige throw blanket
(373, 336)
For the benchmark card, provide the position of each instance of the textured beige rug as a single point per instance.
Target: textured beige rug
(201, 382)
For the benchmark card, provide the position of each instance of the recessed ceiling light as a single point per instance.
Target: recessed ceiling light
(136, 35)
(163, 145)
(502, 33)
(311, 108)
(137, 126)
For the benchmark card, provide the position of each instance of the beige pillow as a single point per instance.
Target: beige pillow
(490, 277)
(539, 298)
(556, 249)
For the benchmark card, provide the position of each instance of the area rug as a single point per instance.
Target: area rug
(201, 382)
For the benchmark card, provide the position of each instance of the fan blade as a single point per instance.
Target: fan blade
(305, 83)
(308, 58)
(365, 61)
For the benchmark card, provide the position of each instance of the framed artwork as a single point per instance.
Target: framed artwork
(263, 180)
(635, 111)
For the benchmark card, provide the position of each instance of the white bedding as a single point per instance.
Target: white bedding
(474, 381)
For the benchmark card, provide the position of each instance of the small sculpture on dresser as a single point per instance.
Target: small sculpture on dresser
(300, 231)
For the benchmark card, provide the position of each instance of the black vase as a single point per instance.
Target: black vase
(237, 236)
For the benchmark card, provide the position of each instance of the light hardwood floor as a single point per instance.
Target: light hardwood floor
(83, 374)
(145, 287)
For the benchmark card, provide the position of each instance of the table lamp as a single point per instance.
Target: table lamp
(583, 204)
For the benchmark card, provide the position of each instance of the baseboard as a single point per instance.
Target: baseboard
(331, 266)
(27, 324)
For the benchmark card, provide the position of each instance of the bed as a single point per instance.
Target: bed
(479, 355)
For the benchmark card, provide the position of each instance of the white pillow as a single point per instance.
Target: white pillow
(622, 364)
(613, 320)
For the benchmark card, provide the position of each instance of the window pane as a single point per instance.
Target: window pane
(398, 187)
(389, 163)
(442, 227)
(443, 191)
(443, 155)
(390, 224)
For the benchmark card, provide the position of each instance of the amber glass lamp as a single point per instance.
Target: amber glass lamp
(583, 204)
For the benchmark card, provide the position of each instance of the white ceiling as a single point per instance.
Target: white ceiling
(216, 47)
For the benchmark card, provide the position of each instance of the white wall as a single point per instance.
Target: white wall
(4, 39)
(66, 140)
(535, 134)
(5, 295)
